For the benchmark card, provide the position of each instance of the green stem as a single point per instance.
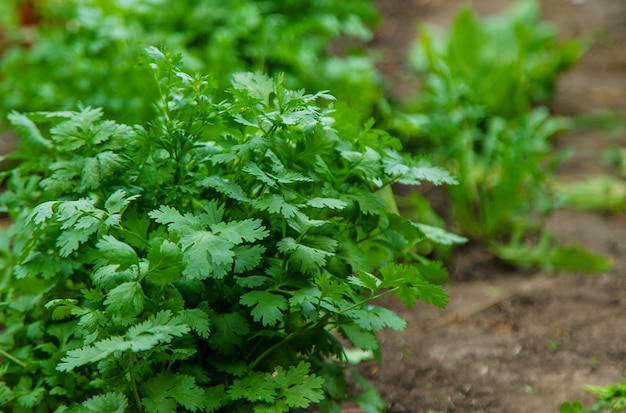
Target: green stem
(322, 320)
(133, 382)
(368, 299)
(12, 358)
(287, 339)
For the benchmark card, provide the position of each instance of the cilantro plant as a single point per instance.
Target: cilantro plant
(87, 50)
(218, 258)
(610, 399)
(478, 114)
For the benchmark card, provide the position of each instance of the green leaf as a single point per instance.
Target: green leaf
(368, 202)
(106, 403)
(42, 213)
(247, 257)
(228, 330)
(62, 307)
(165, 262)
(197, 320)
(215, 397)
(307, 259)
(331, 203)
(32, 398)
(297, 386)
(276, 204)
(267, 306)
(117, 202)
(226, 187)
(433, 272)
(177, 223)
(370, 400)
(417, 173)
(158, 328)
(252, 281)
(238, 231)
(97, 169)
(365, 280)
(377, 318)
(368, 162)
(440, 235)
(360, 337)
(257, 85)
(254, 170)
(206, 255)
(28, 131)
(127, 298)
(409, 286)
(571, 407)
(117, 252)
(166, 391)
(254, 387)
(94, 353)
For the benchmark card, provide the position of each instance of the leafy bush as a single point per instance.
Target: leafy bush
(611, 399)
(86, 50)
(218, 259)
(476, 114)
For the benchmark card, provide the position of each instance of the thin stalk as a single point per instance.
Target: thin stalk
(133, 382)
(285, 341)
(317, 323)
(368, 299)
(12, 358)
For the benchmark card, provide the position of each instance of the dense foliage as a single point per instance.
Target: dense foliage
(218, 242)
(209, 261)
(610, 399)
(86, 50)
(478, 115)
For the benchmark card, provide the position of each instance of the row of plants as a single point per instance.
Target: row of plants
(86, 51)
(203, 230)
(481, 114)
(208, 242)
(202, 262)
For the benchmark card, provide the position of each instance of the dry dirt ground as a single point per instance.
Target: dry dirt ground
(517, 341)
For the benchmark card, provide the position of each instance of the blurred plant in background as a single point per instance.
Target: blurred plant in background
(86, 50)
(480, 114)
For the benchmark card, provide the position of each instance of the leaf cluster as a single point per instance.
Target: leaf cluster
(609, 399)
(480, 115)
(218, 258)
(87, 50)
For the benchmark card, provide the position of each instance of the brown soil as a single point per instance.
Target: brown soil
(511, 341)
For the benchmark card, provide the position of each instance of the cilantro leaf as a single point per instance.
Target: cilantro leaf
(91, 354)
(126, 298)
(228, 330)
(164, 262)
(267, 306)
(360, 337)
(247, 257)
(197, 320)
(409, 286)
(161, 327)
(254, 387)
(298, 386)
(440, 235)
(166, 391)
(307, 259)
(106, 403)
(117, 252)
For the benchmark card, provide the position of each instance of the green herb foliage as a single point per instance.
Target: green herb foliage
(610, 399)
(209, 261)
(477, 115)
(86, 50)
